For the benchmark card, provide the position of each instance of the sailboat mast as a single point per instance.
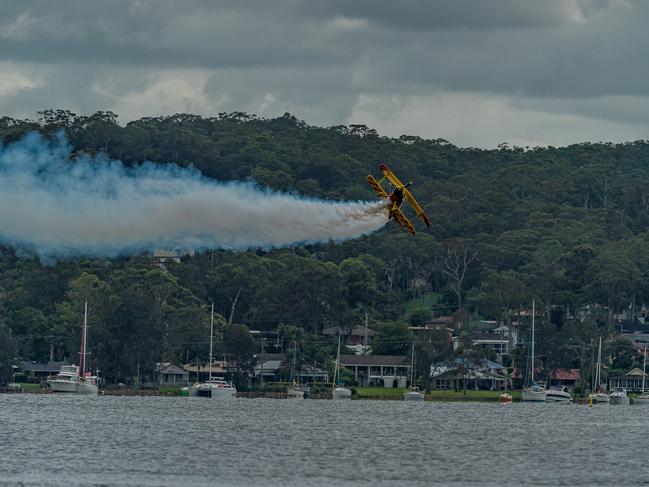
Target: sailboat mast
(599, 363)
(293, 368)
(644, 367)
(412, 365)
(333, 386)
(532, 360)
(84, 335)
(211, 339)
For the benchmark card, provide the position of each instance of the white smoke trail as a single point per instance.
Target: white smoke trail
(96, 206)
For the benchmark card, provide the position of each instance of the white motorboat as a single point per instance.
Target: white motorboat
(67, 379)
(557, 394)
(339, 391)
(73, 378)
(535, 392)
(213, 387)
(413, 393)
(643, 399)
(619, 397)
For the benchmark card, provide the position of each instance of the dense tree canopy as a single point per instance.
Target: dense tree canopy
(566, 226)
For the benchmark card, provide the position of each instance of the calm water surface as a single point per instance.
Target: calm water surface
(154, 441)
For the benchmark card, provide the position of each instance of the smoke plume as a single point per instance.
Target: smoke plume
(57, 205)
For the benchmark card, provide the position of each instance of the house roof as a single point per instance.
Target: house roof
(357, 331)
(376, 360)
(48, 367)
(634, 373)
(168, 368)
(485, 335)
(559, 374)
(471, 364)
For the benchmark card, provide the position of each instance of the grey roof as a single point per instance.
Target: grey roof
(167, 368)
(49, 367)
(376, 360)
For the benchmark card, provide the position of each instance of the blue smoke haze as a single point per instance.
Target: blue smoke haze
(56, 206)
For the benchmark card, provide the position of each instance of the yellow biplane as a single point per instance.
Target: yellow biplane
(396, 198)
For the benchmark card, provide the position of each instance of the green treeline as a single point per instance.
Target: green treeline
(566, 226)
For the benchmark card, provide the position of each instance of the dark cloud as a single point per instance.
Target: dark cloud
(330, 61)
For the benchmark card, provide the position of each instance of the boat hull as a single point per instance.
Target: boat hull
(341, 393)
(295, 393)
(63, 386)
(530, 395)
(619, 400)
(602, 398)
(558, 396)
(87, 388)
(413, 396)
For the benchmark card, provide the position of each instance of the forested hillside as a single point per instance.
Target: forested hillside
(566, 226)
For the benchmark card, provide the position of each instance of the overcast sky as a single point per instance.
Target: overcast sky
(476, 73)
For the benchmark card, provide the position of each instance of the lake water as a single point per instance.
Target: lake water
(155, 441)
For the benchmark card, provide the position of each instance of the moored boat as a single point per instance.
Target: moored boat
(66, 380)
(339, 391)
(413, 393)
(213, 387)
(643, 399)
(505, 398)
(558, 394)
(72, 378)
(619, 397)
(535, 392)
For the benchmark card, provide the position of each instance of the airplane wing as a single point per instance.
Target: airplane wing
(401, 219)
(377, 187)
(390, 175)
(413, 202)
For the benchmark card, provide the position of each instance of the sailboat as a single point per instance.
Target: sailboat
(73, 378)
(214, 387)
(597, 396)
(294, 391)
(535, 392)
(413, 393)
(339, 392)
(643, 399)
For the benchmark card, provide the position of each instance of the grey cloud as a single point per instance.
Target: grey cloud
(320, 60)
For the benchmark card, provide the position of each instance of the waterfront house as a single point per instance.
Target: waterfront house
(483, 374)
(631, 381)
(378, 370)
(270, 365)
(167, 374)
(39, 371)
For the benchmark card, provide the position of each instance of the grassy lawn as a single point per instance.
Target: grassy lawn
(380, 392)
(471, 395)
(435, 395)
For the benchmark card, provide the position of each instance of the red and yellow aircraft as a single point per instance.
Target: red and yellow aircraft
(396, 198)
